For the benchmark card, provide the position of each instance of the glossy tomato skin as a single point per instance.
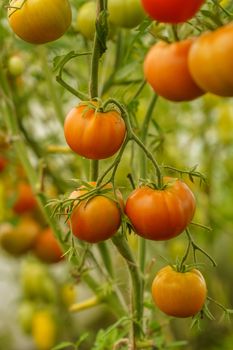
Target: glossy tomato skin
(86, 19)
(39, 22)
(210, 61)
(46, 247)
(172, 11)
(25, 200)
(179, 294)
(125, 13)
(96, 219)
(166, 70)
(93, 134)
(161, 214)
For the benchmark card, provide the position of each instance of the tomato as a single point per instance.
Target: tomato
(44, 329)
(94, 134)
(3, 163)
(38, 22)
(179, 294)
(46, 247)
(166, 70)
(171, 11)
(161, 214)
(25, 200)
(125, 13)
(95, 219)
(68, 294)
(86, 19)
(36, 282)
(17, 240)
(210, 66)
(26, 312)
(15, 65)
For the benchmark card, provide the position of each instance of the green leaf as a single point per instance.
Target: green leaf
(63, 345)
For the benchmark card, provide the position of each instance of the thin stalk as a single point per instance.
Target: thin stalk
(56, 101)
(122, 246)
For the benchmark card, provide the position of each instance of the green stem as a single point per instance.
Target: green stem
(56, 101)
(122, 246)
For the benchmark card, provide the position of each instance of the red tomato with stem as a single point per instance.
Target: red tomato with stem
(172, 11)
(97, 218)
(161, 214)
(166, 70)
(92, 133)
(179, 294)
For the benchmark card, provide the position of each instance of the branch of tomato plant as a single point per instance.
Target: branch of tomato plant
(122, 246)
(191, 173)
(56, 101)
(21, 151)
(61, 81)
(133, 137)
(195, 248)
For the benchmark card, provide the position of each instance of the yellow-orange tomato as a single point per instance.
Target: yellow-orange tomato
(166, 70)
(210, 61)
(179, 294)
(39, 21)
(46, 247)
(18, 240)
(25, 200)
(94, 134)
(95, 219)
(44, 329)
(161, 214)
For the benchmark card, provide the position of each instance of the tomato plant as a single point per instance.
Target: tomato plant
(46, 247)
(97, 218)
(125, 13)
(161, 214)
(36, 23)
(94, 134)
(179, 294)
(172, 11)
(209, 66)
(166, 70)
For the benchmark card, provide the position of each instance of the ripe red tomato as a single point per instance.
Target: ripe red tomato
(96, 219)
(125, 13)
(46, 247)
(25, 200)
(94, 134)
(210, 61)
(179, 294)
(166, 70)
(171, 11)
(161, 214)
(38, 22)
(18, 240)
(3, 163)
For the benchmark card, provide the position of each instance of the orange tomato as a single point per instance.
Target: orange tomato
(210, 61)
(46, 247)
(161, 214)
(95, 219)
(94, 134)
(166, 70)
(39, 22)
(18, 240)
(25, 200)
(3, 163)
(179, 294)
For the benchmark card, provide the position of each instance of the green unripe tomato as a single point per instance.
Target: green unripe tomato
(85, 21)
(15, 65)
(26, 312)
(125, 13)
